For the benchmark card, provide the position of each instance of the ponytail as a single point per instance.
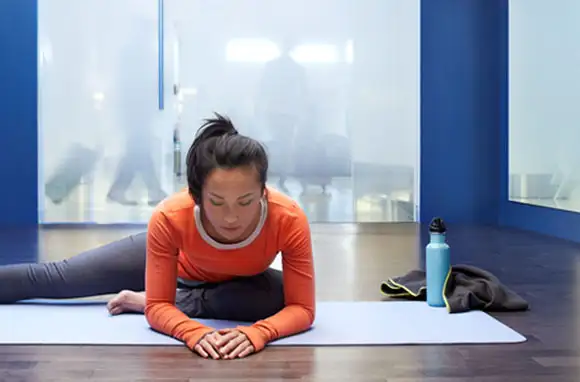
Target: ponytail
(214, 128)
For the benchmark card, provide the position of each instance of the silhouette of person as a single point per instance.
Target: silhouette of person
(137, 92)
(282, 98)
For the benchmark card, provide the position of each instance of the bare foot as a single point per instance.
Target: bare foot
(127, 302)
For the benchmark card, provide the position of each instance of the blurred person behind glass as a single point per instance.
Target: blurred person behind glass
(137, 93)
(282, 102)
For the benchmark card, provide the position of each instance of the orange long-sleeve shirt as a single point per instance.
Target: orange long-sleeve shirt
(178, 246)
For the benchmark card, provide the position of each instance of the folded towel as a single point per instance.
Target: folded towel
(466, 288)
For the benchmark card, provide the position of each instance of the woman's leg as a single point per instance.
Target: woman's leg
(242, 299)
(119, 267)
(107, 269)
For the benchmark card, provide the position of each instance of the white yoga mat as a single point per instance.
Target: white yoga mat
(337, 323)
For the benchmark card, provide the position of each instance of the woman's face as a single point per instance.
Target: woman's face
(231, 203)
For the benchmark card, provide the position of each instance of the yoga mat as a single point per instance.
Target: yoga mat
(337, 323)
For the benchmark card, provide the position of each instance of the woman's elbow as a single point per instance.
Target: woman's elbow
(151, 312)
(311, 314)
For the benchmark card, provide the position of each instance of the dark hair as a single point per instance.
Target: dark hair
(218, 144)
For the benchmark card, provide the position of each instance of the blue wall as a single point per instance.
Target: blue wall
(18, 112)
(464, 131)
(460, 111)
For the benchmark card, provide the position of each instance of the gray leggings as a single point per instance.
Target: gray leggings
(120, 265)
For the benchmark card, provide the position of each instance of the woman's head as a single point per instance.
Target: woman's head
(226, 176)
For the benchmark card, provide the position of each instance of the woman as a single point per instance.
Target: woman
(206, 254)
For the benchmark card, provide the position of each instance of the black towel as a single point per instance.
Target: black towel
(466, 288)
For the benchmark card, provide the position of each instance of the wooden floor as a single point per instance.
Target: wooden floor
(351, 262)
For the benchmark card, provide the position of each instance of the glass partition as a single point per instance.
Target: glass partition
(330, 87)
(543, 105)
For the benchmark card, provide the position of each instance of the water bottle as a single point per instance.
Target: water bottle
(437, 262)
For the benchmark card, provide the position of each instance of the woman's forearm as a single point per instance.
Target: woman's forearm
(168, 319)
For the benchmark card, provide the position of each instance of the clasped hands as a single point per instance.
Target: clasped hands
(224, 344)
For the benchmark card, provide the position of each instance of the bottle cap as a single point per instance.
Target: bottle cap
(437, 226)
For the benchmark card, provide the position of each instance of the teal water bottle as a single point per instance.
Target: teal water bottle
(438, 263)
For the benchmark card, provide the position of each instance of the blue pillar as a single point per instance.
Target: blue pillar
(18, 113)
(461, 77)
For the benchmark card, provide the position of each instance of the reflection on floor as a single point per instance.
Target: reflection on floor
(351, 260)
(372, 195)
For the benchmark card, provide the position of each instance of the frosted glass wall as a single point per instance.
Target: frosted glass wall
(331, 87)
(543, 103)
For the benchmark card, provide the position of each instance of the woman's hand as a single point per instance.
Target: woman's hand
(208, 345)
(233, 344)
